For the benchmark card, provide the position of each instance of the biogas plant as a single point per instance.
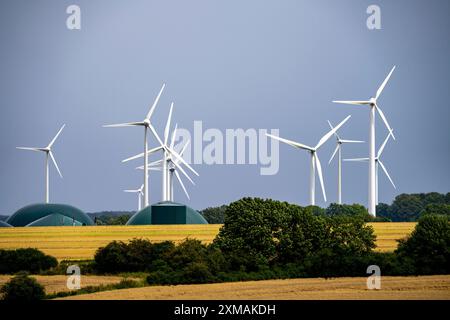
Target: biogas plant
(173, 167)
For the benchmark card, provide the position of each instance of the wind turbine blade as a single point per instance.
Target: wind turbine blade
(176, 155)
(331, 127)
(380, 89)
(387, 174)
(182, 150)
(357, 159)
(140, 155)
(183, 172)
(128, 124)
(150, 112)
(354, 102)
(351, 141)
(329, 134)
(31, 149)
(182, 185)
(56, 137)
(380, 151)
(133, 191)
(174, 134)
(154, 163)
(290, 142)
(381, 113)
(334, 153)
(319, 172)
(169, 119)
(155, 134)
(54, 162)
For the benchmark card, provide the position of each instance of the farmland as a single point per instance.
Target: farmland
(392, 288)
(77, 243)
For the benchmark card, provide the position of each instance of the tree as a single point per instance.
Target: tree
(22, 288)
(251, 228)
(355, 210)
(437, 208)
(428, 246)
(214, 215)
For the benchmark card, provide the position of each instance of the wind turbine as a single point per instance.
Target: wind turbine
(338, 150)
(48, 152)
(378, 162)
(315, 162)
(140, 193)
(171, 171)
(372, 103)
(168, 152)
(147, 125)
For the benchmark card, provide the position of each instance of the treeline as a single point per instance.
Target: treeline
(404, 208)
(410, 207)
(111, 217)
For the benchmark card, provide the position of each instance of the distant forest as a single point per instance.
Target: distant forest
(404, 208)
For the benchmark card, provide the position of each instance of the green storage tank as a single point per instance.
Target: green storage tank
(3, 224)
(49, 214)
(167, 212)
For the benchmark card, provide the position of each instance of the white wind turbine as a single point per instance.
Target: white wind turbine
(378, 163)
(140, 194)
(171, 171)
(372, 103)
(146, 124)
(315, 162)
(48, 152)
(168, 153)
(338, 150)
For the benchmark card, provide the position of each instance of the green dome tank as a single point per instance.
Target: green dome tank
(167, 212)
(49, 214)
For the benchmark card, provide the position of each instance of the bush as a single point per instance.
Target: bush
(29, 259)
(138, 255)
(427, 249)
(112, 258)
(22, 288)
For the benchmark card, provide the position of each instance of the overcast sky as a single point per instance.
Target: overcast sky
(231, 64)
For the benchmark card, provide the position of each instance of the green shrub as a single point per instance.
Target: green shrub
(22, 288)
(29, 259)
(112, 258)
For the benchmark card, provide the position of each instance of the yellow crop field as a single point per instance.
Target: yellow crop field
(392, 288)
(76, 243)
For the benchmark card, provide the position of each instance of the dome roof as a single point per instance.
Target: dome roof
(3, 224)
(44, 214)
(167, 212)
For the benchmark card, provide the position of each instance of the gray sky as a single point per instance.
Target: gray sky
(231, 64)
